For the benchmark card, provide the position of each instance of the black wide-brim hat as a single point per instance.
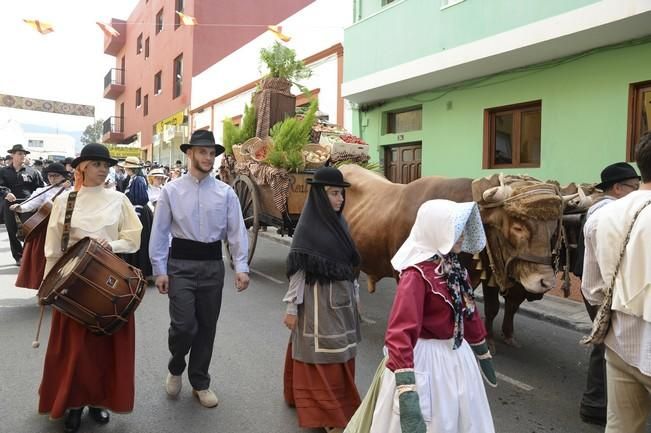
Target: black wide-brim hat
(18, 148)
(94, 152)
(202, 138)
(56, 167)
(616, 173)
(328, 176)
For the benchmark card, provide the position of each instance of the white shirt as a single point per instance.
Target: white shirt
(99, 213)
(592, 283)
(38, 200)
(630, 332)
(153, 192)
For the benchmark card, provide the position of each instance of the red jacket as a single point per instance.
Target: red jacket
(423, 308)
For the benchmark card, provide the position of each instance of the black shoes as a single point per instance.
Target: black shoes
(73, 420)
(101, 416)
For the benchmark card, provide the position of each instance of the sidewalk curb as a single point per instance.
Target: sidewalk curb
(272, 235)
(559, 311)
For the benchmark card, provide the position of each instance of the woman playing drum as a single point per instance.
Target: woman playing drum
(32, 266)
(82, 369)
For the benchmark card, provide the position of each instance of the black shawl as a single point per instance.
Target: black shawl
(321, 245)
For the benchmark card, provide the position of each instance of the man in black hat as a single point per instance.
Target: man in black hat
(17, 182)
(617, 181)
(199, 212)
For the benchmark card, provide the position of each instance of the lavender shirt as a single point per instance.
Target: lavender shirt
(203, 211)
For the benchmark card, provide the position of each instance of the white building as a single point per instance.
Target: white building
(316, 32)
(55, 147)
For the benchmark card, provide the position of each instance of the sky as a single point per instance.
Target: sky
(66, 65)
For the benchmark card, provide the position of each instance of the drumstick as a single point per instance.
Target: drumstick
(35, 343)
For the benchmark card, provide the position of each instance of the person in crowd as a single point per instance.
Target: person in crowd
(157, 180)
(198, 213)
(319, 378)
(82, 369)
(175, 173)
(617, 181)
(17, 182)
(623, 234)
(435, 335)
(136, 191)
(32, 266)
(38, 166)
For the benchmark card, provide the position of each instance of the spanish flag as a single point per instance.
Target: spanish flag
(277, 31)
(187, 20)
(108, 30)
(40, 26)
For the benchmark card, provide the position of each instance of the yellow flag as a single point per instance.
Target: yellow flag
(108, 30)
(277, 31)
(40, 26)
(187, 20)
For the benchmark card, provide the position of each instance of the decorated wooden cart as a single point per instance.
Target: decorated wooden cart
(272, 153)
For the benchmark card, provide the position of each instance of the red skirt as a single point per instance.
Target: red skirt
(32, 265)
(83, 369)
(324, 395)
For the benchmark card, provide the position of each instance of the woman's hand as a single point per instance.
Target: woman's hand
(290, 321)
(15, 207)
(103, 242)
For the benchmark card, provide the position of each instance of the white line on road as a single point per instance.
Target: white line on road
(514, 382)
(268, 277)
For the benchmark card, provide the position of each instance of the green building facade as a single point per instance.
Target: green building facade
(556, 89)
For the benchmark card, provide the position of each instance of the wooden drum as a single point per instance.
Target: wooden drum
(93, 286)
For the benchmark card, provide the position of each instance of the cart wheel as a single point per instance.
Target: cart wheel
(250, 205)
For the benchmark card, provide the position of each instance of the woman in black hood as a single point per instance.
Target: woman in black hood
(322, 309)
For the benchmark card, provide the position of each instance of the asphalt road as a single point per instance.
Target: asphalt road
(539, 389)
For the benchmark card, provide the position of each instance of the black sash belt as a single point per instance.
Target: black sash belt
(186, 249)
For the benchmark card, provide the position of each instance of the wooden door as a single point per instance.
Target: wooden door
(402, 163)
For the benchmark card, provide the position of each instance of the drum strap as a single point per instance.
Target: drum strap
(70, 206)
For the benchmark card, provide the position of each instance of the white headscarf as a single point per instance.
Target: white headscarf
(438, 226)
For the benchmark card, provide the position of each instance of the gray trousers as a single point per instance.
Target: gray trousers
(195, 294)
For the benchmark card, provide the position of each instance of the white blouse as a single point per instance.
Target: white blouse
(99, 213)
(40, 197)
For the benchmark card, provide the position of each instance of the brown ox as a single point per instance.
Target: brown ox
(381, 213)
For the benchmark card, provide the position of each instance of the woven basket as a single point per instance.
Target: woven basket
(315, 148)
(239, 154)
(260, 144)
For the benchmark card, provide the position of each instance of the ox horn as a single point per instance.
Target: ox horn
(497, 194)
(579, 200)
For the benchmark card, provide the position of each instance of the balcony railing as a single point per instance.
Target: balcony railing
(114, 76)
(114, 83)
(113, 130)
(114, 124)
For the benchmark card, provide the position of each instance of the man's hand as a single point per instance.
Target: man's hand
(290, 321)
(15, 207)
(66, 184)
(162, 284)
(10, 197)
(241, 281)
